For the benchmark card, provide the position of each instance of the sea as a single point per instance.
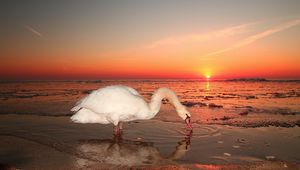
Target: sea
(56, 98)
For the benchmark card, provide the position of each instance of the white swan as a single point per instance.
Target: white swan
(117, 104)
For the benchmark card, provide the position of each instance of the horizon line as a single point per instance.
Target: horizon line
(133, 79)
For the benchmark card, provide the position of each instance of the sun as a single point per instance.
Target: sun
(207, 76)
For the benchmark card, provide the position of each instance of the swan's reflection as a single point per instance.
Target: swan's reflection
(123, 152)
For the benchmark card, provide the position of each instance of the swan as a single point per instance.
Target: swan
(116, 104)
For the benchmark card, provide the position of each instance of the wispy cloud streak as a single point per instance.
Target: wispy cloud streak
(32, 30)
(256, 37)
(202, 36)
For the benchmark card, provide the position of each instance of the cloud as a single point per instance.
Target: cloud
(32, 30)
(256, 37)
(230, 31)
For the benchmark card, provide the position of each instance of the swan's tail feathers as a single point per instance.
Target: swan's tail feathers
(87, 116)
(78, 106)
(82, 102)
(75, 108)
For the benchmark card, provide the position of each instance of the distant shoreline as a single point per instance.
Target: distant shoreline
(156, 80)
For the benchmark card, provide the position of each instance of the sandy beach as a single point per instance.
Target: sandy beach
(42, 142)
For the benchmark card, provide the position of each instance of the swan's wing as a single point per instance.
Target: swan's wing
(112, 99)
(133, 91)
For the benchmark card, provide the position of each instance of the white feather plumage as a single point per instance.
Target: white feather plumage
(114, 104)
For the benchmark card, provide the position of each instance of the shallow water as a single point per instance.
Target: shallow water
(240, 103)
(29, 142)
(272, 97)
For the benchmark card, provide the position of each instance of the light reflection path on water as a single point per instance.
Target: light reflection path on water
(207, 85)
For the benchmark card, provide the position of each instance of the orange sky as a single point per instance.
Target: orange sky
(136, 43)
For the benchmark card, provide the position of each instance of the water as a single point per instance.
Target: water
(56, 98)
(34, 123)
(43, 142)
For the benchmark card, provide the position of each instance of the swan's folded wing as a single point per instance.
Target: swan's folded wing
(111, 100)
(133, 91)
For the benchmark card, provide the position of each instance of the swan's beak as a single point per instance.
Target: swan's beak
(188, 122)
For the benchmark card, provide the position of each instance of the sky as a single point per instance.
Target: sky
(120, 39)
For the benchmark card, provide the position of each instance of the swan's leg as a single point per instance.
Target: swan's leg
(118, 129)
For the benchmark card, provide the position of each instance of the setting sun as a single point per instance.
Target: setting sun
(116, 41)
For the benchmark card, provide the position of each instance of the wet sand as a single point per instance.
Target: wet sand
(42, 142)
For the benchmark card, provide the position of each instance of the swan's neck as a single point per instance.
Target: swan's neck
(160, 94)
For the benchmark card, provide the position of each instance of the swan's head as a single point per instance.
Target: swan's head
(186, 116)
